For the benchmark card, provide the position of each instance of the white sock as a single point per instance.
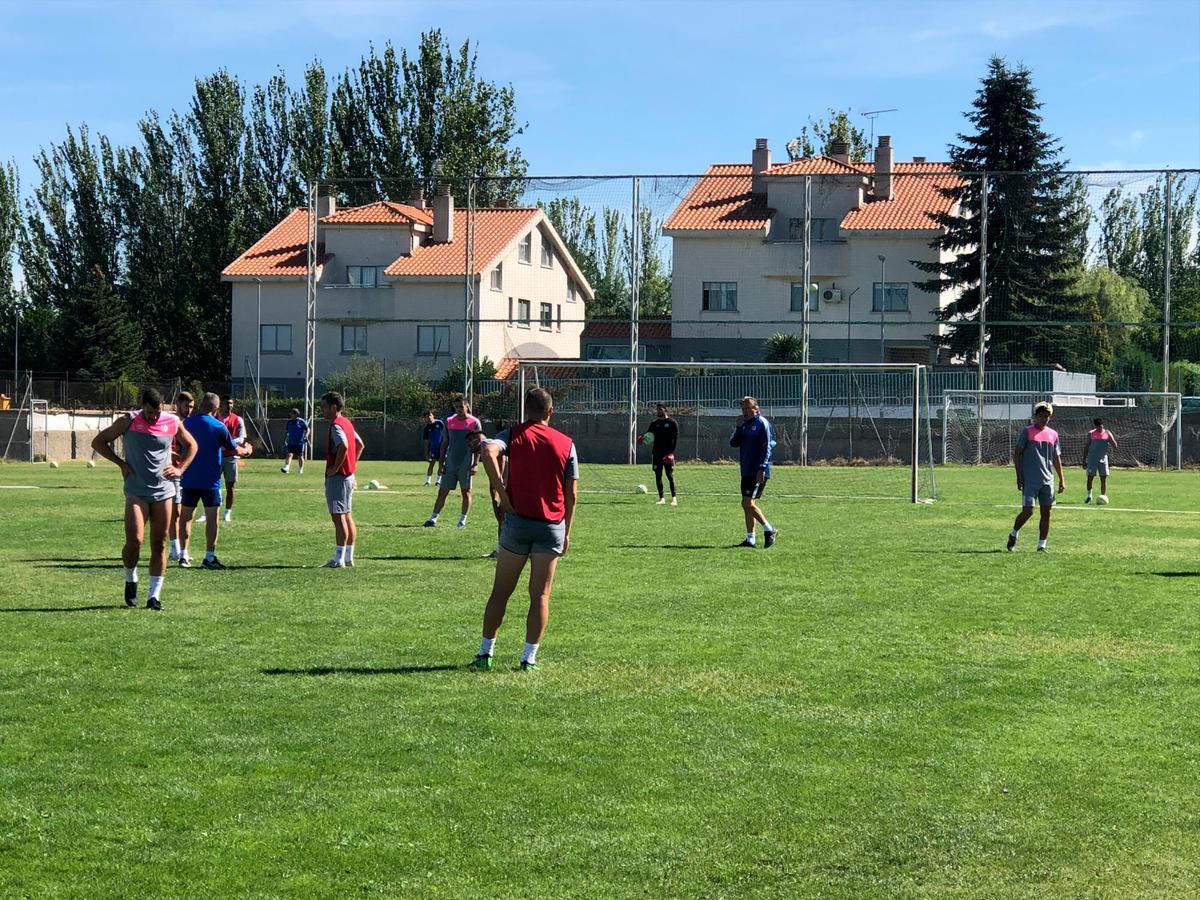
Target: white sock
(1013, 533)
(131, 575)
(462, 520)
(486, 646)
(349, 554)
(428, 480)
(530, 653)
(155, 585)
(433, 517)
(750, 536)
(175, 548)
(1041, 543)
(228, 514)
(339, 553)
(767, 526)
(285, 469)
(1089, 495)
(210, 554)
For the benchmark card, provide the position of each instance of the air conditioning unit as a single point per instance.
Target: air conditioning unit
(832, 295)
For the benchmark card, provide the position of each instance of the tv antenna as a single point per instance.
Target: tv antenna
(874, 114)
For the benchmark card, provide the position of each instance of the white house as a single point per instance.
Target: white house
(738, 257)
(391, 285)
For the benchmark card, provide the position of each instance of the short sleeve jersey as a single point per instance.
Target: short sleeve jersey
(666, 435)
(1039, 448)
(297, 431)
(1097, 446)
(457, 453)
(433, 432)
(147, 448)
(541, 460)
(212, 440)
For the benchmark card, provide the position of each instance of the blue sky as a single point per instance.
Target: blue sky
(646, 87)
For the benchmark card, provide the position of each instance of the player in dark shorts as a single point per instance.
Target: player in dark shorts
(665, 432)
(183, 408)
(148, 435)
(753, 437)
(538, 499)
(202, 482)
(297, 440)
(432, 436)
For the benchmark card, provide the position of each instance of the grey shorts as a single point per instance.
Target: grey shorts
(1100, 468)
(339, 494)
(523, 536)
(457, 477)
(1040, 496)
(178, 483)
(229, 469)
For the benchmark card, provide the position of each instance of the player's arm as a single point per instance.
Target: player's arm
(189, 445)
(102, 443)
(491, 454)
(358, 445)
(1112, 439)
(333, 463)
(1062, 485)
(570, 495)
(1018, 452)
(735, 439)
(767, 444)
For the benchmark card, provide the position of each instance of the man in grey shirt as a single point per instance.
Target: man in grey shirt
(1037, 457)
(459, 461)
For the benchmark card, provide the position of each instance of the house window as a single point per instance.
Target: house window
(498, 277)
(547, 317)
(523, 313)
(559, 328)
(570, 291)
(364, 276)
(720, 296)
(433, 340)
(814, 297)
(510, 310)
(275, 338)
(354, 338)
(547, 254)
(525, 250)
(822, 229)
(892, 298)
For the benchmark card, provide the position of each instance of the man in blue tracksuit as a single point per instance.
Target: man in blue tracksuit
(753, 437)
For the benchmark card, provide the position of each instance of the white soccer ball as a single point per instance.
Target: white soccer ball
(53, 464)
(372, 485)
(1102, 500)
(641, 489)
(91, 464)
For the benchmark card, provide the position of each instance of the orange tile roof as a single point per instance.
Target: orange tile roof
(384, 212)
(508, 369)
(721, 201)
(915, 200)
(281, 252)
(649, 329)
(495, 229)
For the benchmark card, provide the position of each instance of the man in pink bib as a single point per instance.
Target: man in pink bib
(1037, 457)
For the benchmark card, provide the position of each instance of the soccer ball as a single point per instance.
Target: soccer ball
(53, 464)
(641, 489)
(648, 438)
(91, 464)
(1102, 500)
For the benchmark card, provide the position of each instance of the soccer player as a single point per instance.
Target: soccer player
(662, 452)
(183, 409)
(1036, 458)
(343, 447)
(297, 440)
(1099, 440)
(538, 501)
(753, 437)
(237, 430)
(202, 481)
(148, 435)
(431, 443)
(458, 463)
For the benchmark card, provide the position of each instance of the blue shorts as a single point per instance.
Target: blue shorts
(295, 449)
(206, 497)
(1042, 494)
(522, 535)
(751, 488)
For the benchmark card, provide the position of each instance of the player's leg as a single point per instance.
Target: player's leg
(341, 534)
(185, 533)
(466, 503)
(429, 471)
(1104, 482)
(136, 512)
(748, 513)
(212, 525)
(508, 572)
(541, 581)
(1044, 525)
(160, 516)
(1022, 517)
(1091, 476)
(443, 492)
(287, 461)
(658, 474)
(669, 468)
(351, 537)
(231, 477)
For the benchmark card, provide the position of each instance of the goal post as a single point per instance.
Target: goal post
(982, 427)
(875, 418)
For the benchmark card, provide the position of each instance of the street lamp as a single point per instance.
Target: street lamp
(882, 300)
(258, 356)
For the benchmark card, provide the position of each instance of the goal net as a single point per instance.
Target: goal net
(861, 431)
(983, 428)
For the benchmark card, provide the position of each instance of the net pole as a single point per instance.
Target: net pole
(929, 436)
(804, 320)
(310, 317)
(1179, 434)
(634, 303)
(945, 425)
(1166, 339)
(916, 431)
(521, 394)
(469, 298)
(983, 235)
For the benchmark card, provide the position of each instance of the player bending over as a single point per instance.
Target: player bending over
(1036, 458)
(149, 492)
(1099, 441)
(538, 500)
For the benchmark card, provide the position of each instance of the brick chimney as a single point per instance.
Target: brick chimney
(760, 163)
(443, 215)
(326, 201)
(883, 168)
(841, 152)
(418, 198)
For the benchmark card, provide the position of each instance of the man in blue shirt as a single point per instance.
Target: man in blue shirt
(297, 437)
(753, 437)
(431, 437)
(202, 480)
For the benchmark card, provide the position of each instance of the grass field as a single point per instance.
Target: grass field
(884, 704)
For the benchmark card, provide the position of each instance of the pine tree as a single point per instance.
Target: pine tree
(1033, 230)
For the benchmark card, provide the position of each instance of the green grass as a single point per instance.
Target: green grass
(885, 704)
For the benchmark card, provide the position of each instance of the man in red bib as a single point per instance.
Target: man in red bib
(538, 501)
(342, 449)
